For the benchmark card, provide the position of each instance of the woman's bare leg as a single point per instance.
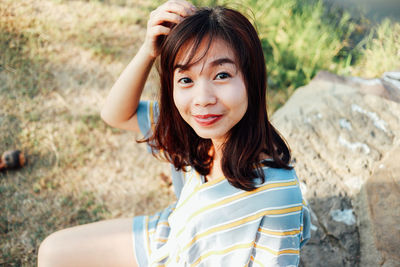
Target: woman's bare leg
(104, 243)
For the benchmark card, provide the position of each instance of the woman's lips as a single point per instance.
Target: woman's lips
(207, 120)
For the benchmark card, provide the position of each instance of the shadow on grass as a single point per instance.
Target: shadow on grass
(26, 71)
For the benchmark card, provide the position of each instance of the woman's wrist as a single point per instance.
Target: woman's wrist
(147, 52)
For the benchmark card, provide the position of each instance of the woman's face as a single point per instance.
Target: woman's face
(211, 94)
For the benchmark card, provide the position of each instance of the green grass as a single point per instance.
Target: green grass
(59, 58)
(300, 38)
(380, 50)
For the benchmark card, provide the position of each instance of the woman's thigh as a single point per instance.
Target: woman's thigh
(104, 243)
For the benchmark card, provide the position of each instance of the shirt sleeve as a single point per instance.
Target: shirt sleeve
(279, 239)
(306, 225)
(147, 115)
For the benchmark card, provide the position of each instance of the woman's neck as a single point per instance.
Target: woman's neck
(216, 170)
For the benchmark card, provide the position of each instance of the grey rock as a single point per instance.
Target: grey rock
(382, 191)
(339, 129)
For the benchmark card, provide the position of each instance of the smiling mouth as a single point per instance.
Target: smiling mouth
(207, 120)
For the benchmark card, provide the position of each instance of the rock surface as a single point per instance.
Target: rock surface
(344, 134)
(383, 194)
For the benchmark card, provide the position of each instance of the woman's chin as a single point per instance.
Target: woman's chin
(209, 135)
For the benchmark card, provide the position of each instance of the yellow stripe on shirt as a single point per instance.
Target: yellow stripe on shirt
(279, 252)
(198, 188)
(147, 234)
(279, 233)
(162, 240)
(236, 197)
(163, 223)
(241, 222)
(222, 252)
(256, 261)
(151, 113)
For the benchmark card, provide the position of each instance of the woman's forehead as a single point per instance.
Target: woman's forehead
(190, 53)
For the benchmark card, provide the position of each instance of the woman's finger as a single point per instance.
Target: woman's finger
(181, 8)
(162, 20)
(159, 30)
(158, 19)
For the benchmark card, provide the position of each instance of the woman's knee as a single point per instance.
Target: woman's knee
(105, 243)
(50, 250)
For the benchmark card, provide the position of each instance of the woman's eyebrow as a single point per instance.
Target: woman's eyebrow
(181, 67)
(220, 61)
(214, 63)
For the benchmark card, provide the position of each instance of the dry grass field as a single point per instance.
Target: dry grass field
(58, 59)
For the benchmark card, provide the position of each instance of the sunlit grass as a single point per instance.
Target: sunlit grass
(380, 50)
(58, 59)
(300, 38)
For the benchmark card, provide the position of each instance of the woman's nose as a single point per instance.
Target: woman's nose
(204, 94)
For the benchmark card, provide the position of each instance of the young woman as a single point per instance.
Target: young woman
(238, 199)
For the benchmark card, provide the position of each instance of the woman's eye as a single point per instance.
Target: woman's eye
(184, 80)
(222, 75)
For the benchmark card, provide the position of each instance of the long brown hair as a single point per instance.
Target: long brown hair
(252, 135)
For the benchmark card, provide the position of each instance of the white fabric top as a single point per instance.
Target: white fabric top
(217, 224)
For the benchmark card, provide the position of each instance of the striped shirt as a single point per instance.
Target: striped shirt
(216, 224)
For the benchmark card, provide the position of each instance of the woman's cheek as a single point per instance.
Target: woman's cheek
(181, 100)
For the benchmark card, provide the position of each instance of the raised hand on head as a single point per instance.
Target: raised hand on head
(161, 22)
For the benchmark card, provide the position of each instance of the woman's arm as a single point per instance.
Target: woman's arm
(121, 103)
